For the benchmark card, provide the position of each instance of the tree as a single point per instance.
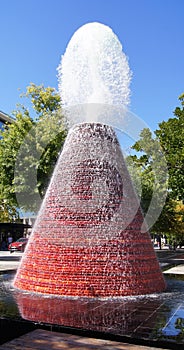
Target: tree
(29, 148)
(179, 227)
(171, 137)
(148, 169)
(168, 139)
(8, 212)
(11, 138)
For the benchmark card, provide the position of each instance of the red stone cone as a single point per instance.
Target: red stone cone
(87, 239)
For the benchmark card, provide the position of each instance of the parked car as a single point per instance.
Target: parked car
(19, 245)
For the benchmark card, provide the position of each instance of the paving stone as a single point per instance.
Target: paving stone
(178, 270)
(45, 340)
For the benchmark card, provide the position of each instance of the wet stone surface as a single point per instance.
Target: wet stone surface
(157, 318)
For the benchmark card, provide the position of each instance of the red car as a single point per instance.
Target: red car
(19, 245)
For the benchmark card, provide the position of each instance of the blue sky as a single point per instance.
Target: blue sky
(34, 34)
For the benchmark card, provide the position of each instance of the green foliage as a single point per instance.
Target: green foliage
(8, 212)
(44, 100)
(29, 149)
(171, 137)
(149, 163)
(149, 174)
(11, 139)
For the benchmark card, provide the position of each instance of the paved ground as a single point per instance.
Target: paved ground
(9, 261)
(177, 270)
(44, 340)
(168, 258)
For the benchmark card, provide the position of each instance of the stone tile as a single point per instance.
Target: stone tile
(45, 340)
(176, 270)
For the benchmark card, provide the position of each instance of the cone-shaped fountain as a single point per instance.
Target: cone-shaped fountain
(88, 238)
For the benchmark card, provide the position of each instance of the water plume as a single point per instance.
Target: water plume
(94, 70)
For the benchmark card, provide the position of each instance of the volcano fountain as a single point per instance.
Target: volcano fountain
(90, 238)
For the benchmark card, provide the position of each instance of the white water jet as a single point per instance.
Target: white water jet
(93, 72)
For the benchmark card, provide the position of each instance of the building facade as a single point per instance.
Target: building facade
(5, 118)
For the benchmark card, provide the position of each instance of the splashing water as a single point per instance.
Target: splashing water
(93, 72)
